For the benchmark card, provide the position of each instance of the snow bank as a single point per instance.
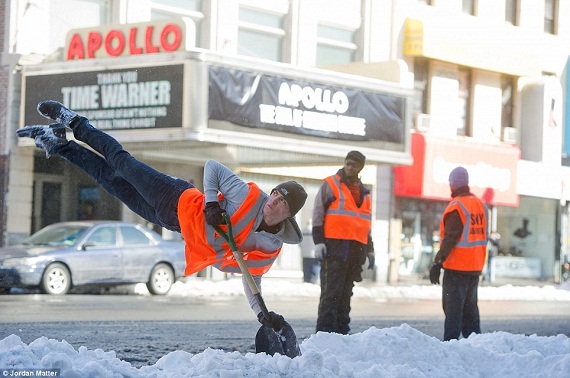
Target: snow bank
(391, 352)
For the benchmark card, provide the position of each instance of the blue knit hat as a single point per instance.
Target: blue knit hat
(459, 177)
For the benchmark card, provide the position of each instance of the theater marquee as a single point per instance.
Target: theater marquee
(136, 97)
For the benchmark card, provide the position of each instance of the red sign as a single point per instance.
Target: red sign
(130, 39)
(492, 169)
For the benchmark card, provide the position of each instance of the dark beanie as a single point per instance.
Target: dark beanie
(356, 156)
(459, 177)
(294, 194)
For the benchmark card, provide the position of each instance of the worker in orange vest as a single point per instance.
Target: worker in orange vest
(463, 235)
(261, 222)
(342, 219)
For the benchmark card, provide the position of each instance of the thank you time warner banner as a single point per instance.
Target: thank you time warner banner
(130, 98)
(298, 106)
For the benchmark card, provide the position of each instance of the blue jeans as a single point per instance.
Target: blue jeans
(151, 194)
(311, 269)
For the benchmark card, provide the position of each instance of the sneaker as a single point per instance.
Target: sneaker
(50, 142)
(56, 111)
(35, 130)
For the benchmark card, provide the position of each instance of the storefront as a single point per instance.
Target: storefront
(175, 109)
(538, 227)
(422, 191)
(465, 87)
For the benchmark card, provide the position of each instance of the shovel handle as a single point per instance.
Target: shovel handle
(229, 237)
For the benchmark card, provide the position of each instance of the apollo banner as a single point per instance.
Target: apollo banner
(130, 98)
(259, 100)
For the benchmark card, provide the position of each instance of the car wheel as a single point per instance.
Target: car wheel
(161, 279)
(56, 280)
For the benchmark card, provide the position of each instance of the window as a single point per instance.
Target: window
(464, 100)
(421, 75)
(469, 7)
(163, 9)
(63, 16)
(261, 34)
(102, 237)
(191, 5)
(133, 236)
(335, 45)
(507, 87)
(511, 11)
(550, 11)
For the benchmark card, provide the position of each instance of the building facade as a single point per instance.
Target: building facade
(488, 78)
(418, 86)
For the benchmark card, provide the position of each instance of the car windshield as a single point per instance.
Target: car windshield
(54, 236)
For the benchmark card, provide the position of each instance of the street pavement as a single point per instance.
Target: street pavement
(141, 329)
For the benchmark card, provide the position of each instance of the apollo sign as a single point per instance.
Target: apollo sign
(313, 108)
(324, 110)
(111, 41)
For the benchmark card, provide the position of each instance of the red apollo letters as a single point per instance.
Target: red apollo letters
(116, 43)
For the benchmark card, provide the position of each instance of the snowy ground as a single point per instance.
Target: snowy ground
(390, 352)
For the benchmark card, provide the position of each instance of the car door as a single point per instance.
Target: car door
(140, 253)
(99, 258)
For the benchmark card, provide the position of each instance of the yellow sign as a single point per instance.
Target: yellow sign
(464, 41)
(413, 37)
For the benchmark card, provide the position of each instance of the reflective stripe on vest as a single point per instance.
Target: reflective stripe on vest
(204, 247)
(242, 224)
(257, 262)
(343, 210)
(464, 241)
(469, 253)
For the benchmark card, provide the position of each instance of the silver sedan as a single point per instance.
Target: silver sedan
(106, 253)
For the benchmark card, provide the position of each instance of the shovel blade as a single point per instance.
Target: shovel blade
(283, 342)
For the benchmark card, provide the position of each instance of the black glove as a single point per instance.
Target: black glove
(371, 259)
(275, 321)
(434, 273)
(214, 214)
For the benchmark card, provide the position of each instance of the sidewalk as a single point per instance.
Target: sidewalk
(296, 276)
(417, 279)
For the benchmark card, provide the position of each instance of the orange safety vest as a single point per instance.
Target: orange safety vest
(469, 253)
(205, 247)
(343, 219)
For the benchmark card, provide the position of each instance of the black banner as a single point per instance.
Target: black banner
(263, 101)
(131, 98)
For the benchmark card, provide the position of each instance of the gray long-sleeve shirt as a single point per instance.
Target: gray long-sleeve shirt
(220, 179)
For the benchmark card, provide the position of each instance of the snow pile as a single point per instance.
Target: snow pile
(391, 352)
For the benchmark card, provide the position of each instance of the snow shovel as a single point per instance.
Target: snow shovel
(267, 340)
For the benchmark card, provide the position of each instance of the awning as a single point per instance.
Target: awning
(492, 169)
(274, 114)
